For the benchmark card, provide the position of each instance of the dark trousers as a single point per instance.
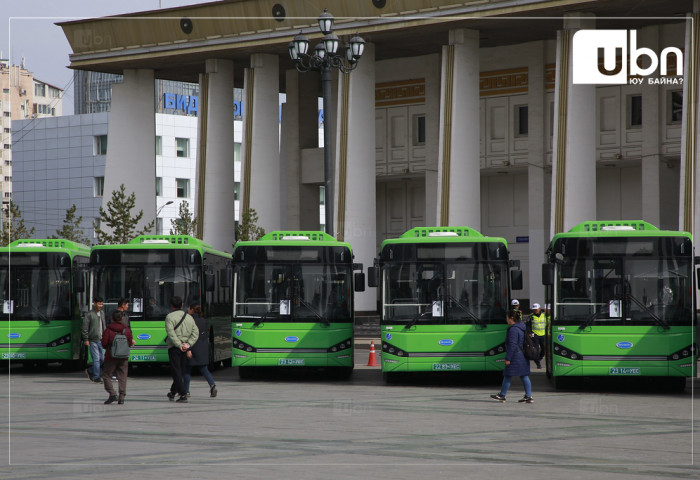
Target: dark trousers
(120, 368)
(539, 341)
(178, 362)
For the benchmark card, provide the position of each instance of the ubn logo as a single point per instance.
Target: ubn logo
(610, 45)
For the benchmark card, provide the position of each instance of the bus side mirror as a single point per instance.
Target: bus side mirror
(209, 282)
(516, 279)
(79, 281)
(360, 282)
(547, 274)
(225, 277)
(373, 276)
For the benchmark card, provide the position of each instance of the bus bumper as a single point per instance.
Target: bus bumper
(343, 358)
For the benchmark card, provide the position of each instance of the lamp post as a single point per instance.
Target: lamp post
(169, 202)
(325, 58)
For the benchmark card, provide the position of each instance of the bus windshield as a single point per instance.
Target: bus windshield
(625, 290)
(300, 292)
(38, 292)
(445, 292)
(148, 288)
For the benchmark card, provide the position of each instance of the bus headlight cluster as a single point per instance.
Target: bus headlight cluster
(59, 341)
(242, 346)
(496, 350)
(684, 353)
(392, 350)
(566, 352)
(344, 345)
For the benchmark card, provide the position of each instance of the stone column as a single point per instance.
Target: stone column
(574, 167)
(537, 219)
(260, 169)
(459, 198)
(651, 147)
(131, 152)
(355, 168)
(215, 171)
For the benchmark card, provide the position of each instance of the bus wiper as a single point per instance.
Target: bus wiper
(467, 311)
(263, 317)
(589, 320)
(325, 321)
(416, 318)
(660, 321)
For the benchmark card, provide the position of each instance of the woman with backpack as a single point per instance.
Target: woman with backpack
(516, 363)
(116, 341)
(198, 354)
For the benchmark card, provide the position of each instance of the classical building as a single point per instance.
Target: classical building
(520, 119)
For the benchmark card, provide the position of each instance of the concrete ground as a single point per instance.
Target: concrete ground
(306, 426)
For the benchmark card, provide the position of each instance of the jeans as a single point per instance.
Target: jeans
(523, 378)
(98, 357)
(204, 370)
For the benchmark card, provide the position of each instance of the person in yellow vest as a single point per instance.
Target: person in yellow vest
(538, 326)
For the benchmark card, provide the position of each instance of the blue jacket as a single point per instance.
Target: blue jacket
(519, 365)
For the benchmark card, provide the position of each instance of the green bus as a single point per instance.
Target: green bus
(293, 302)
(623, 303)
(443, 296)
(151, 269)
(43, 295)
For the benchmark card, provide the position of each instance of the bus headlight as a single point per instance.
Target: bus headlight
(566, 352)
(347, 343)
(684, 353)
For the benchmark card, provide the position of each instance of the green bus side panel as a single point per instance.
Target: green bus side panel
(443, 348)
(292, 344)
(58, 340)
(640, 351)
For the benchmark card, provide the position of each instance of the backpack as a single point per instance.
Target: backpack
(530, 349)
(120, 346)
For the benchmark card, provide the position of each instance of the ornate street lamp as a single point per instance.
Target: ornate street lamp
(325, 58)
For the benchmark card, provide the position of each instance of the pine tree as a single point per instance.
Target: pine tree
(13, 227)
(247, 229)
(71, 229)
(119, 219)
(186, 223)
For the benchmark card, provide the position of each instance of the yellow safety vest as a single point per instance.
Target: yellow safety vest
(539, 323)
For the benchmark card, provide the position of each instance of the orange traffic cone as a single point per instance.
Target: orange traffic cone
(372, 362)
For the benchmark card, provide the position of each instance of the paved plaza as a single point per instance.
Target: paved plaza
(307, 427)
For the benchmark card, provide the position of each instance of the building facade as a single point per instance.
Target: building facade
(457, 114)
(22, 97)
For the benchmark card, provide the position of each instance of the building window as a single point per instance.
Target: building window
(39, 90)
(159, 226)
(101, 145)
(520, 121)
(7, 146)
(634, 111)
(159, 145)
(8, 179)
(183, 187)
(674, 107)
(183, 147)
(159, 186)
(236, 190)
(418, 130)
(322, 195)
(7, 114)
(99, 186)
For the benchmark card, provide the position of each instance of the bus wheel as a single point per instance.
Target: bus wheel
(674, 384)
(246, 373)
(341, 373)
(391, 377)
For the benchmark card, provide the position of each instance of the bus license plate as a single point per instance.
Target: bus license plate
(298, 362)
(625, 371)
(7, 356)
(143, 358)
(447, 366)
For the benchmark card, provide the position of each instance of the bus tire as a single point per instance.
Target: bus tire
(391, 378)
(341, 373)
(561, 383)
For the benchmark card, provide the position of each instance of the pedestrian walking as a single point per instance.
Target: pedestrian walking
(91, 332)
(538, 325)
(118, 366)
(516, 363)
(181, 333)
(198, 354)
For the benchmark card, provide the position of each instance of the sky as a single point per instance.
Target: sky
(27, 29)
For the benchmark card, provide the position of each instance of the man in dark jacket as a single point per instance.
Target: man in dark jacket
(120, 366)
(198, 354)
(516, 363)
